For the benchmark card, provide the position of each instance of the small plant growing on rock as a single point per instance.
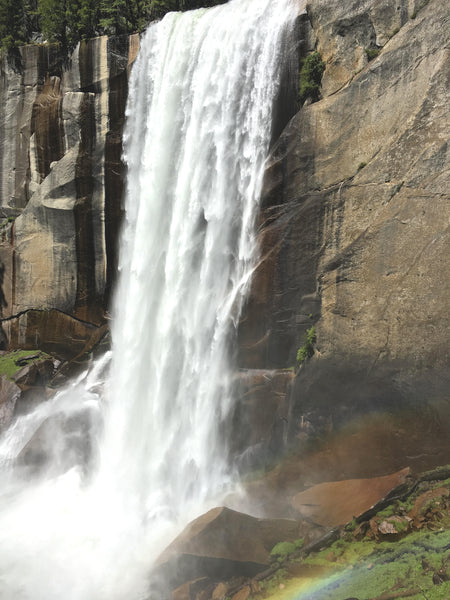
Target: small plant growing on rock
(372, 53)
(307, 350)
(311, 77)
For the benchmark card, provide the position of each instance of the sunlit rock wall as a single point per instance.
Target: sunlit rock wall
(61, 175)
(355, 221)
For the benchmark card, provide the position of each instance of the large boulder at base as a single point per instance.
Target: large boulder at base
(337, 502)
(221, 544)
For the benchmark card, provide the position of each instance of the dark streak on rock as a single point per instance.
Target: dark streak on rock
(114, 169)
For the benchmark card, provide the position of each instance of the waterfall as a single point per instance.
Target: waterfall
(197, 134)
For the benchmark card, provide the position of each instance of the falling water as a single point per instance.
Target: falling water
(197, 134)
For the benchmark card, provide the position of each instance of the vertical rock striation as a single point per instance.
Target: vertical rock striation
(61, 175)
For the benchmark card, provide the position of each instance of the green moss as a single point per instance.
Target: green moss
(311, 77)
(270, 585)
(400, 526)
(7, 221)
(283, 549)
(9, 361)
(372, 53)
(368, 569)
(378, 568)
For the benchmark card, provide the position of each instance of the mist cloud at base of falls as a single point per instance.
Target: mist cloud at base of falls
(197, 134)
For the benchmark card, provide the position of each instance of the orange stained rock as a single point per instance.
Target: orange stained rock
(337, 502)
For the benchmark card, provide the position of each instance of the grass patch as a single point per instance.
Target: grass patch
(415, 564)
(368, 569)
(11, 362)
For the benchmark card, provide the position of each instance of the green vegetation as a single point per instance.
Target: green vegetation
(11, 362)
(307, 350)
(414, 15)
(361, 165)
(69, 21)
(311, 77)
(412, 562)
(372, 53)
(12, 23)
(7, 221)
(283, 549)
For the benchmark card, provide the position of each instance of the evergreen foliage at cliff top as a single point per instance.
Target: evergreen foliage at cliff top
(69, 21)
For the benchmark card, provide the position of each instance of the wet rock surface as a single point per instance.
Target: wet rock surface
(338, 502)
(354, 227)
(10, 393)
(221, 544)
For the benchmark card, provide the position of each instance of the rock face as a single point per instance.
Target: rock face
(61, 175)
(354, 227)
(9, 395)
(336, 503)
(259, 421)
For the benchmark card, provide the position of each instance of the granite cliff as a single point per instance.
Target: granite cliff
(353, 227)
(61, 187)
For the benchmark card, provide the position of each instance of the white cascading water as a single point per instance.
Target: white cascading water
(197, 134)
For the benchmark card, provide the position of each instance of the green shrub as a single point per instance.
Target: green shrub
(310, 77)
(283, 549)
(372, 53)
(307, 350)
(361, 165)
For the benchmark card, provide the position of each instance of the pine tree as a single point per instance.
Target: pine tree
(72, 22)
(88, 18)
(53, 20)
(114, 15)
(12, 23)
(32, 21)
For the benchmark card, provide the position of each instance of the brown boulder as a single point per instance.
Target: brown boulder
(221, 544)
(191, 589)
(337, 502)
(36, 373)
